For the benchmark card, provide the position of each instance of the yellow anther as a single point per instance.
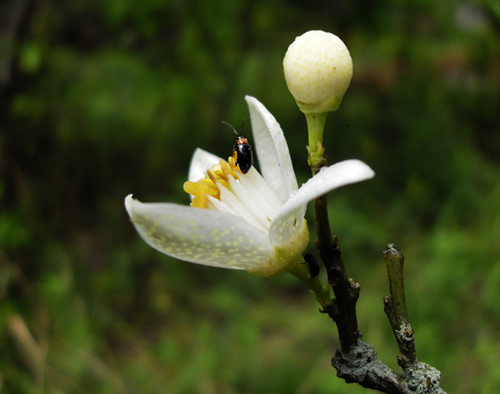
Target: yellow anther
(218, 177)
(235, 170)
(191, 187)
(211, 177)
(208, 186)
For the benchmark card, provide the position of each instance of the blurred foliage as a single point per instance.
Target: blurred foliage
(102, 99)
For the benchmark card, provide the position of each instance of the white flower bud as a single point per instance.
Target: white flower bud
(318, 70)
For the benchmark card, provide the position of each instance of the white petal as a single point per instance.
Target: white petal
(231, 200)
(328, 179)
(220, 206)
(254, 181)
(251, 203)
(272, 150)
(200, 163)
(288, 226)
(200, 236)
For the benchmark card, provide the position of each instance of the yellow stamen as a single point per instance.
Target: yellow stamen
(207, 186)
(232, 163)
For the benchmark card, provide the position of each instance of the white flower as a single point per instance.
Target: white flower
(251, 222)
(318, 70)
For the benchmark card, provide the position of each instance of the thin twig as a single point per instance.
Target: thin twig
(343, 307)
(395, 307)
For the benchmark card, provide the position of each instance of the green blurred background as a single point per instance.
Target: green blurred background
(100, 99)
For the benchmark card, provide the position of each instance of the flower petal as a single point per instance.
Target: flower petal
(288, 227)
(328, 179)
(200, 236)
(200, 163)
(272, 150)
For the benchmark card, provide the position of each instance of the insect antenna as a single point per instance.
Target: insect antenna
(230, 125)
(243, 124)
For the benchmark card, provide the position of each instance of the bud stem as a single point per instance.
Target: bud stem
(316, 126)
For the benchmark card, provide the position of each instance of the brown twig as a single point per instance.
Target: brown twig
(343, 308)
(359, 364)
(357, 361)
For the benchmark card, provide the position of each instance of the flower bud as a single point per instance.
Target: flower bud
(318, 70)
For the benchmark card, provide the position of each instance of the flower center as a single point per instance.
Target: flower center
(225, 188)
(208, 186)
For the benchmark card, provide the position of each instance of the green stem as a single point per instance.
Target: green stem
(394, 262)
(321, 291)
(395, 308)
(315, 127)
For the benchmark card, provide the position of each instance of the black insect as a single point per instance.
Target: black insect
(242, 149)
(313, 264)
